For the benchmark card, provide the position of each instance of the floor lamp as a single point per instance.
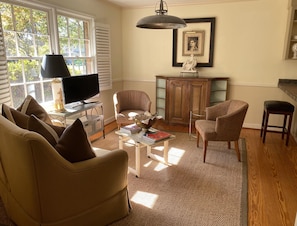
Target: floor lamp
(54, 66)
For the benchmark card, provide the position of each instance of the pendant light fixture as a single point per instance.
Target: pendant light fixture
(161, 20)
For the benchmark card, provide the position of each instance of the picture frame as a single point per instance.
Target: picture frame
(203, 31)
(193, 43)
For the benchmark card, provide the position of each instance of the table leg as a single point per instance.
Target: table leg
(157, 157)
(137, 159)
(121, 142)
(165, 154)
(190, 125)
(148, 150)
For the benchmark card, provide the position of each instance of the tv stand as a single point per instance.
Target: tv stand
(90, 114)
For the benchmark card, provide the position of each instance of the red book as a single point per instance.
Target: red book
(156, 136)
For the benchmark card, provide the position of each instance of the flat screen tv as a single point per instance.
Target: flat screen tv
(79, 88)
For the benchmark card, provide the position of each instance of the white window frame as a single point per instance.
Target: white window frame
(53, 12)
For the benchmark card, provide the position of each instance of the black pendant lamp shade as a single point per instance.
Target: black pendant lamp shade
(161, 20)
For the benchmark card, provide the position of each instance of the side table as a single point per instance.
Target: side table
(92, 120)
(193, 116)
(139, 143)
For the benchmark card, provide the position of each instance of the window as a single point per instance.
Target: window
(29, 35)
(26, 41)
(75, 44)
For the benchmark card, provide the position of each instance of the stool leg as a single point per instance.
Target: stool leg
(289, 128)
(263, 118)
(265, 125)
(284, 126)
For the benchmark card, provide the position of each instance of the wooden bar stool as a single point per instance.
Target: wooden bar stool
(280, 108)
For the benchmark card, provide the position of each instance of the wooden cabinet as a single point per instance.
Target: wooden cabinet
(177, 96)
(291, 33)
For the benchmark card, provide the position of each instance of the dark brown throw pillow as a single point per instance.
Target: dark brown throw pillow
(15, 116)
(74, 144)
(50, 132)
(31, 106)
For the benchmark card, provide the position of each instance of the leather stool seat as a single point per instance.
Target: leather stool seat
(276, 105)
(280, 108)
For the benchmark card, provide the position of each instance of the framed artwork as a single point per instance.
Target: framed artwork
(193, 43)
(197, 39)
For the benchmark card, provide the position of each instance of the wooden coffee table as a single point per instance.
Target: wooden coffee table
(139, 143)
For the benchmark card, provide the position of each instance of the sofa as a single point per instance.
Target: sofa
(39, 186)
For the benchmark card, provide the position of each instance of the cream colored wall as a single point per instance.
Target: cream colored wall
(249, 45)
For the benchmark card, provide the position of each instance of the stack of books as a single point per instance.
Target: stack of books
(156, 136)
(130, 129)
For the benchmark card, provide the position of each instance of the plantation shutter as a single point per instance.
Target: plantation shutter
(5, 97)
(103, 52)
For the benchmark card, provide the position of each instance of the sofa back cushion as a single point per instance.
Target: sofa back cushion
(21, 115)
(50, 132)
(16, 117)
(31, 106)
(74, 144)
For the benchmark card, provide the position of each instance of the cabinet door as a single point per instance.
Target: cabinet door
(161, 97)
(178, 101)
(291, 33)
(199, 98)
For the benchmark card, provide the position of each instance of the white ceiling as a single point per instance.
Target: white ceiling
(152, 3)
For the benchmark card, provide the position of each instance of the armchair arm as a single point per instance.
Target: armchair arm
(229, 126)
(217, 110)
(116, 104)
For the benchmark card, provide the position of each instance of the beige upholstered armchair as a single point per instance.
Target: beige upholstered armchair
(223, 123)
(128, 103)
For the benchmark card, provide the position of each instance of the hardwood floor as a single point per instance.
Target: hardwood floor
(272, 177)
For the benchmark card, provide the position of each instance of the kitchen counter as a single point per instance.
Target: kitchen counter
(289, 86)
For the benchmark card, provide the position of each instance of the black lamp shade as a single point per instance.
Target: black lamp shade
(54, 66)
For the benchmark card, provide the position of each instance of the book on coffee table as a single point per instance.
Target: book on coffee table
(156, 136)
(130, 129)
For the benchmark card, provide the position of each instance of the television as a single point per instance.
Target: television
(79, 88)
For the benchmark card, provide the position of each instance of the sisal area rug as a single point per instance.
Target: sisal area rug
(188, 192)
